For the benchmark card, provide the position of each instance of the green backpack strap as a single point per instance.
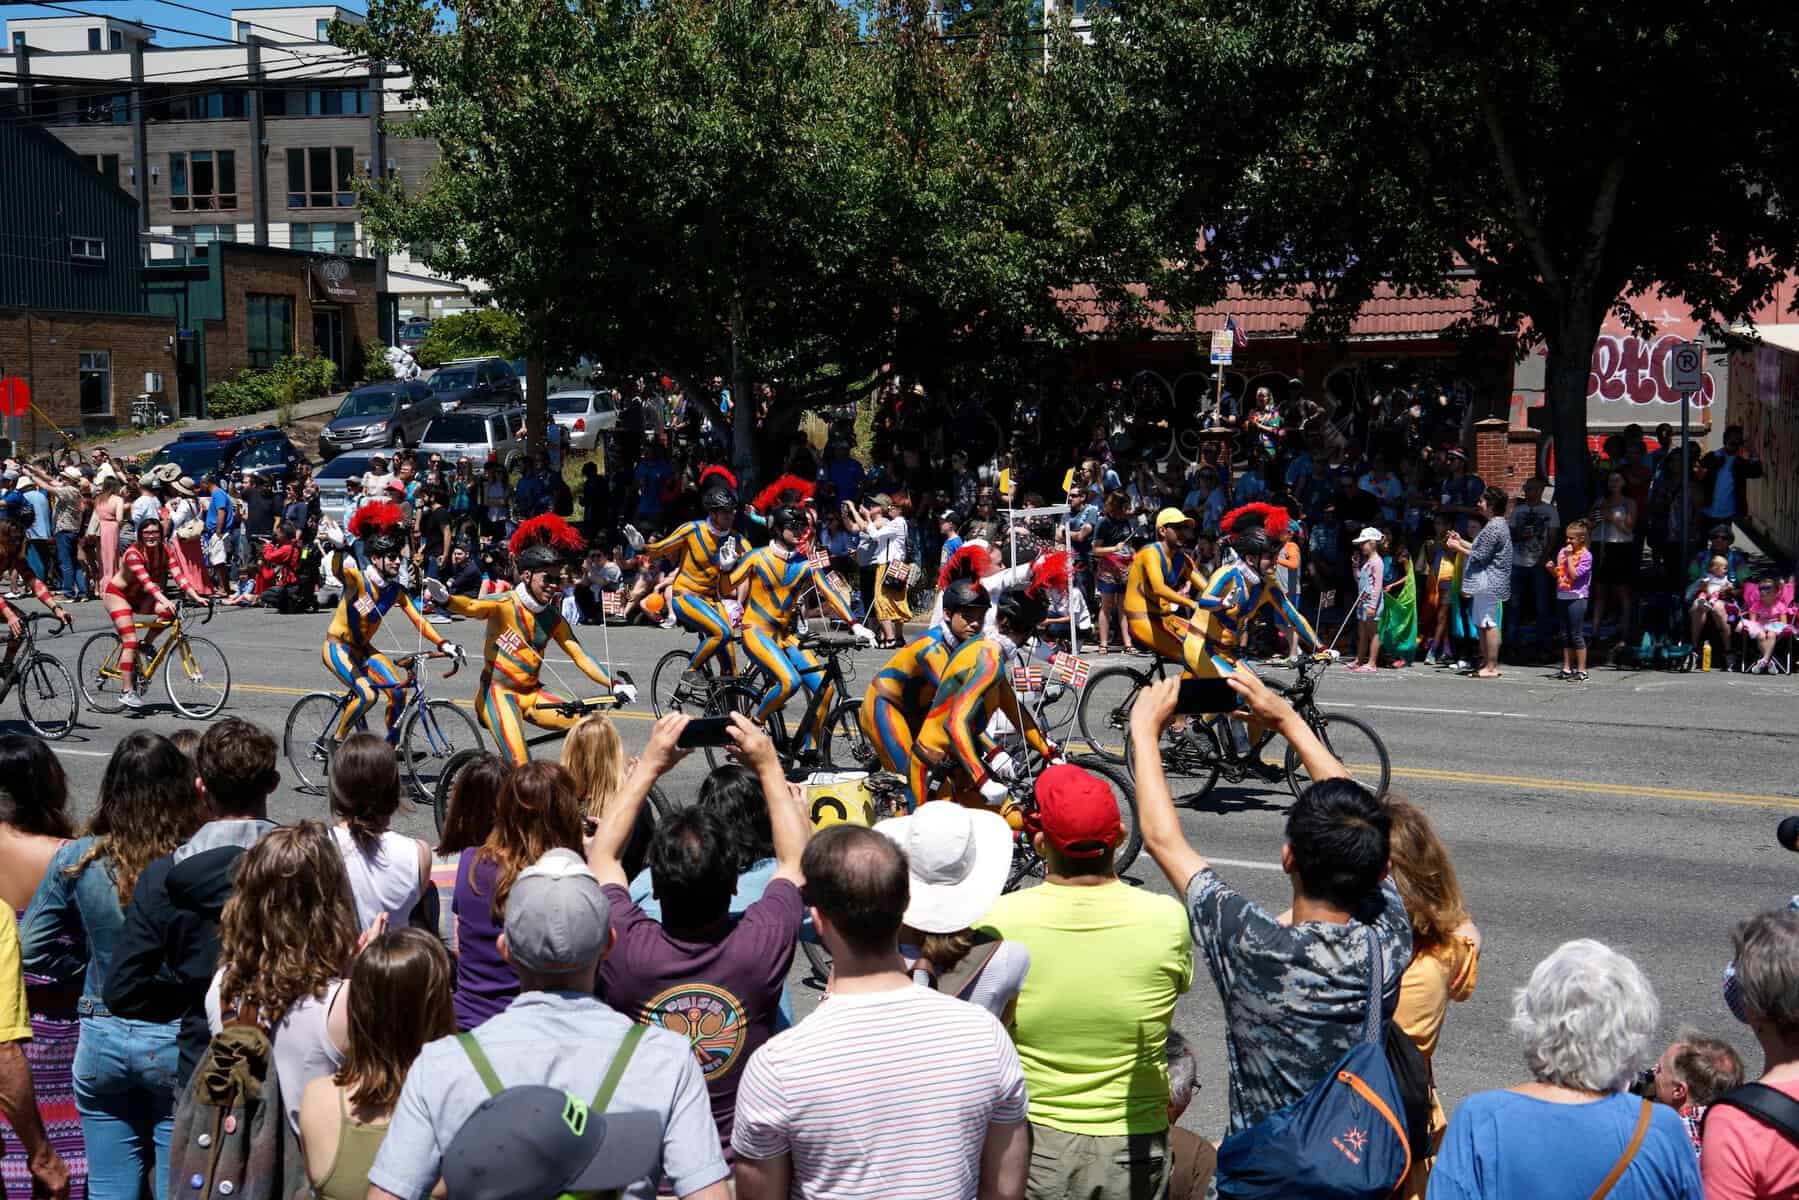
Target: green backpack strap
(483, 1068)
(616, 1072)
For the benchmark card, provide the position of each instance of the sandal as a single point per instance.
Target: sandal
(1578, 677)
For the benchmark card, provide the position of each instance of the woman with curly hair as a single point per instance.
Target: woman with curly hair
(400, 1000)
(286, 937)
(537, 810)
(123, 1069)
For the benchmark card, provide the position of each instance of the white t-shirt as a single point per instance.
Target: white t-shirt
(881, 1095)
(387, 881)
(999, 981)
(303, 1046)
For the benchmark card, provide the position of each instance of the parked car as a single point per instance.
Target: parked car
(265, 451)
(411, 333)
(380, 414)
(585, 413)
(484, 381)
(332, 475)
(480, 434)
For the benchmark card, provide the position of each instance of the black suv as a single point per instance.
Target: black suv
(476, 381)
(266, 452)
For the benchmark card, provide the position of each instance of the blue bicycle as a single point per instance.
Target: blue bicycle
(431, 731)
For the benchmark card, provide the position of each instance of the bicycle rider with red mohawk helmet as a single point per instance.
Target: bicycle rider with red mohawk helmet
(706, 550)
(1243, 586)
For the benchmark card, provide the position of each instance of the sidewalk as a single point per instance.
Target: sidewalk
(150, 440)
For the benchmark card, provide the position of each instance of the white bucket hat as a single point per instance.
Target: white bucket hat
(958, 859)
(1369, 534)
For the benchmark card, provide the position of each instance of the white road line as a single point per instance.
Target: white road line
(81, 753)
(1244, 864)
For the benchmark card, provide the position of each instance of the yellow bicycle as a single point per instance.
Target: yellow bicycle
(198, 678)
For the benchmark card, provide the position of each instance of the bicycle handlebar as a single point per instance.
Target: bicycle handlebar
(830, 642)
(211, 606)
(580, 708)
(34, 618)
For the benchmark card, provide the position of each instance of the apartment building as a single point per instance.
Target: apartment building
(253, 138)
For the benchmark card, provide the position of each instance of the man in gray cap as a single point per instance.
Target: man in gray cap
(556, 1034)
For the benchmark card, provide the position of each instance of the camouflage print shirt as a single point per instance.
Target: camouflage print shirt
(1294, 997)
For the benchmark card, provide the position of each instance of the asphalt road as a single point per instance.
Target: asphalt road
(1638, 809)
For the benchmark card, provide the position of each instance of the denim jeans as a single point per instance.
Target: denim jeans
(1532, 607)
(125, 1074)
(74, 582)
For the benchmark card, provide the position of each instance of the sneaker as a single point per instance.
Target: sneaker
(1462, 664)
(1564, 673)
(132, 699)
(1430, 659)
(1578, 677)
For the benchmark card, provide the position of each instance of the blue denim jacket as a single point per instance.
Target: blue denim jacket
(72, 926)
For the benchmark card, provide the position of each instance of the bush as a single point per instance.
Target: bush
(375, 366)
(466, 335)
(280, 387)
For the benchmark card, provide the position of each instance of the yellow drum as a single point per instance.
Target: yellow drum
(839, 798)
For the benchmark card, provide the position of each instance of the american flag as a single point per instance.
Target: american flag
(1239, 339)
(1070, 669)
(1027, 679)
(612, 604)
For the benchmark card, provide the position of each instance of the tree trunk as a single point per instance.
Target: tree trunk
(1570, 358)
(536, 406)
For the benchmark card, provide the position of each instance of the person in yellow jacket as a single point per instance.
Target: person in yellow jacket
(521, 624)
(1153, 600)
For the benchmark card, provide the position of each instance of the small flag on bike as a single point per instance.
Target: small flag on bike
(1327, 600)
(1027, 679)
(1070, 669)
(612, 604)
(839, 582)
(819, 559)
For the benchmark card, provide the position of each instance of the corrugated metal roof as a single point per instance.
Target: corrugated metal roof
(1387, 315)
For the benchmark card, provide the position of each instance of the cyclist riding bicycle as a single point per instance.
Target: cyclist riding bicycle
(976, 687)
(136, 588)
(901, 694)
(12, 558)
(371, 590)
(770, 583)
(521, 624)
(707, 550)
(1243, 586)
(1151, 589)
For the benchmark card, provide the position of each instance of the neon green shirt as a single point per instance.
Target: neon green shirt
(15, 1017)
(1091, 1024)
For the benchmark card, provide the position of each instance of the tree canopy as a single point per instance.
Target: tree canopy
(1569, 154)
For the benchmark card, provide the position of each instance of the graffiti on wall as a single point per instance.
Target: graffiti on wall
(1764, 400)
(1627, 367)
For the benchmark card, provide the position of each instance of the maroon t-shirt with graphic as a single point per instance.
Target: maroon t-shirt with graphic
(720, 990)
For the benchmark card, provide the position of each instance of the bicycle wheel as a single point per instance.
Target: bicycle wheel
(433, 733)
(1055, 712)
(446, 784)
(843, 746)
(97, 671)
(197, 678)
(1124, 792)
(1356, 746)
(738, 696)
(1191, 761)
(1104, 713)
(819, 959)
(306, 737)
(670, 692)
(48, 698)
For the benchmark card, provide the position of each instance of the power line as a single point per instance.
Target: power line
(213, 37)
(98, 99)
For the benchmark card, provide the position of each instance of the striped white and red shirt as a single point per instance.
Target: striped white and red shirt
(884, 1095)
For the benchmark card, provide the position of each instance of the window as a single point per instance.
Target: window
(243, 31)
(203, 106)
(319, 177)
(87, 249)
(115, 40)
(336, 102)
(202, 236)
(270, 328)
(18, 43)
(267, 453)
(324, 237)
(202, 180)
(106, 164)
(105, 110)
(96, 383)
(323, 30)
(93, 39)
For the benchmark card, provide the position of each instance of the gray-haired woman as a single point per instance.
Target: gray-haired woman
(1586, 1018)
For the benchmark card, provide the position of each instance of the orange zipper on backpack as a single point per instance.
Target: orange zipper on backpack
(1380, 1106)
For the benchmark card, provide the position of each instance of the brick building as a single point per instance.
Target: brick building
(74, 322)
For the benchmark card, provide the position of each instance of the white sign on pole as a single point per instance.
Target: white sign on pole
(1221, 347)
(1686, 367)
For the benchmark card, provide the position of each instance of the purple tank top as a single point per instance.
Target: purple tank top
(485, 983)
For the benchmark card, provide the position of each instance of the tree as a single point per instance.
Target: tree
(788, 193)
(1569, 154)
(477, 332)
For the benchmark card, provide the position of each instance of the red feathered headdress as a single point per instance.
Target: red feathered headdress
(1049, 574)
(1270, 517)
(377, 516)
(788, 489)
(549, 531)
(716, 471)
(970, 562)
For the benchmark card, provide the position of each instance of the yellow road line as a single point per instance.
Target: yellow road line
(1594, 789)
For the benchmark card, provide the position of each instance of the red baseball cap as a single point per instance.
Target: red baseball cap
(1077, 811)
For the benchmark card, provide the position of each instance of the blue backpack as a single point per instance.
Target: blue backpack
(1353, 1135)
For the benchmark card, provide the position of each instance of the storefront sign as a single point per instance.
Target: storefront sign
(331, 281)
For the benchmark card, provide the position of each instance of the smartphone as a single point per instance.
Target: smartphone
(1207, 696)
(705, 731)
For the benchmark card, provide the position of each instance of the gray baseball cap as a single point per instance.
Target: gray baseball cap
(535, 1142)
(557, 918)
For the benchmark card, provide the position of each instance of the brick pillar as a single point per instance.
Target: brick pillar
(1520, 458)
(1490, 451)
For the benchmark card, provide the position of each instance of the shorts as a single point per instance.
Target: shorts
(216, 550)
(1111, 587)
(1370, 610)
(1483, 610)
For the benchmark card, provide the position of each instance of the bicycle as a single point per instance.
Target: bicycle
(670, 690)
(1206, 749)
(42, 680)
(198, 683)
(741, 694)
(431, 731)
(658, 807)
(888, 798)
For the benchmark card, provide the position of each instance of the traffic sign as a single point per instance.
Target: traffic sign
(15, 396)
(1221, 347)
(1686, 368)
